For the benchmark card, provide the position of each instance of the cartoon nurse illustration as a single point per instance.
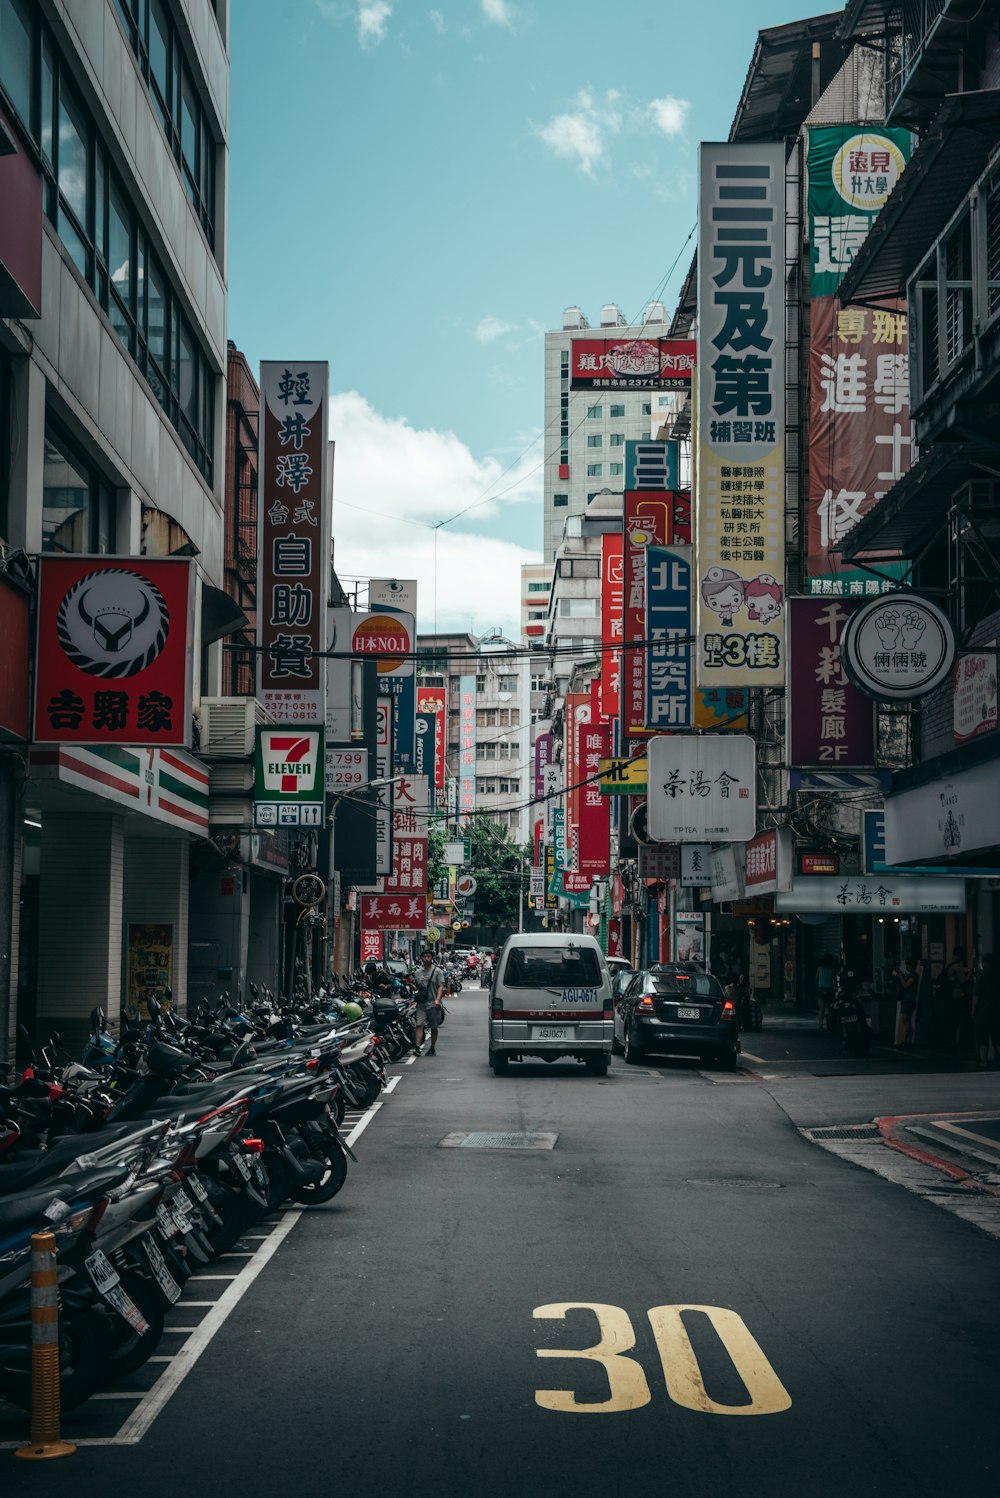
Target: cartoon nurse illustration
(722, 592)
(765, 598)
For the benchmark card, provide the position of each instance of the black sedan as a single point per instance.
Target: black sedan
(677, 1010)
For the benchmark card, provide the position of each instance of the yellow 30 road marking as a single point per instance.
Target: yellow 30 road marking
(628, 1388)
(685, 1385)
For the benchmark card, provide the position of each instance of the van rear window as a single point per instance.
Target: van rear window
(553, 967)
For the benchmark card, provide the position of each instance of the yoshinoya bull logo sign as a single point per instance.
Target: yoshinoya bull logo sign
(113, 622)
(114, 655)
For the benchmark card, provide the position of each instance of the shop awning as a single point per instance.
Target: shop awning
(915, 509)
(949, 159)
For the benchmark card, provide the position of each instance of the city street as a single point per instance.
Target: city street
(673, 1290)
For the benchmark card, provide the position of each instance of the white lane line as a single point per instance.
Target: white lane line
(194, 1305)
(362, 1123)
(102, 1394)
(136, 1426)
(197, 1276)
(393, 1083)
(409, 1060)
(749, 1056)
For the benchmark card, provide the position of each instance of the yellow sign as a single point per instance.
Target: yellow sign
(624, 776)
(433, 934)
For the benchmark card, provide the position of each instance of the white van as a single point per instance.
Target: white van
(551, 997)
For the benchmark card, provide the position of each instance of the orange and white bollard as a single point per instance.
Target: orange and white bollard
(45, 1443)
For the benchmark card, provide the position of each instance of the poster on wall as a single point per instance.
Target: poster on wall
(690, 925)
(740, 507)
(852, 170)
(149, 966)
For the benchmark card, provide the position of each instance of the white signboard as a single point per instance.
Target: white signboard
(690, 927)
(725, 866)
(944, 820)
(396, 593)
(897, 647)
(695, 865)
(346, 769)
(872, 894)
(702, 789)
(974, 695)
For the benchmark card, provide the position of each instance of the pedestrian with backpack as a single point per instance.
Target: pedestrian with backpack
(428, 983)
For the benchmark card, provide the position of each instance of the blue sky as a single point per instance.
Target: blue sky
(416, 192)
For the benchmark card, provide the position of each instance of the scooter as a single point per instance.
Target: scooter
(848, 1012)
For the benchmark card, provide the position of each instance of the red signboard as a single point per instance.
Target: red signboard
(113, 663)
(615, 937)
(659, 517)
(371, 946)
(612, 601)
(409, 865)
(623, 363)
(577, 712)
(830, 721)
(594, 810)
(435, 700)
(859, 437)
(394, 912)
(293, 540)
(819, 863)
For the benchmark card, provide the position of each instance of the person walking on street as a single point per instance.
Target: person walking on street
(956, 983)
(429, 985)
(906, 993)
(826, 977)
(986, 1010)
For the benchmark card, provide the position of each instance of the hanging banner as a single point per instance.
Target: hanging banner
(632, 363)
(114, 650)
(768, 864)
(612, 602)
(576, 712)
(859, 437)
(830, 722)
(467, 748)
(425, 732)
(383, 793)
(651, 518)
(695, 865)
(594, 824)
(669, 628)
(371, 947)
(741, 416)
(434, 701)
(852, 170)
(544, 749)
(293, 540)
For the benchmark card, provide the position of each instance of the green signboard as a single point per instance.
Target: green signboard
(289, 777)
(852, 171)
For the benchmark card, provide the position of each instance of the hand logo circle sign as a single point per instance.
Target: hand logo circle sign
(898, 647)
(113, 623)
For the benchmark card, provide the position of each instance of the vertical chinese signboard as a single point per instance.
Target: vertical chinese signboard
(612, 600)
(594, 810)
(114, 649)
(293, 540)
(830, 722)
(741, 417)
(652, 518)
(433, 702)
(859, 443)
(467, 747)
(669, 620)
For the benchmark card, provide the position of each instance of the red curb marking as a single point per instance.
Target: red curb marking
(886, 1127)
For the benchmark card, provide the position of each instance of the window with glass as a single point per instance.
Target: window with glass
(647, 408)
(101, 230)
(595, 440)
(617, 439)
(156, 43)
(616, 411)
(78, 511)
(536, 614)
(594, 470)
(560, 501)
(538, 587)
(538, 684)
(594, 413)
(616, 470)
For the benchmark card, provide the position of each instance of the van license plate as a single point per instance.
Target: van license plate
(689, 1014)
(552, 1032)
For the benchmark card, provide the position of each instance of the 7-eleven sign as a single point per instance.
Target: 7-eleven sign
(289, 765)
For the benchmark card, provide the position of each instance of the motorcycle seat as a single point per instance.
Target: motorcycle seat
(29, 1207)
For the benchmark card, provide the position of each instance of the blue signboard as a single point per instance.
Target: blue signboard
(670, 626)
(652, 465)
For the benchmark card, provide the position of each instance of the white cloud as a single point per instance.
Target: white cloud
(490, 328)
(670, 114)
(580, 135)
(388, 475)
(373, 19)
(497, 11)
(438, 22)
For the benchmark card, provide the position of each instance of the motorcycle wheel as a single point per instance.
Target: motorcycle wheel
(279, 1181)
(232, 1208)
(368, 1089)
(338, 1108)
(329, 1183)
(84, 1346)
(129, 1348)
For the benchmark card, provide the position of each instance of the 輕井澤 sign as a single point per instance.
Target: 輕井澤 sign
(741, 416)
(293, 541)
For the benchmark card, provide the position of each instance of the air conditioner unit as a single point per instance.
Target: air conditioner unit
(228, 726)
(230, 779)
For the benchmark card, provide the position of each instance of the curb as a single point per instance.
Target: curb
(888, 1127)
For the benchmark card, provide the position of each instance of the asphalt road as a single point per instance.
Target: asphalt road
(423, 1333)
